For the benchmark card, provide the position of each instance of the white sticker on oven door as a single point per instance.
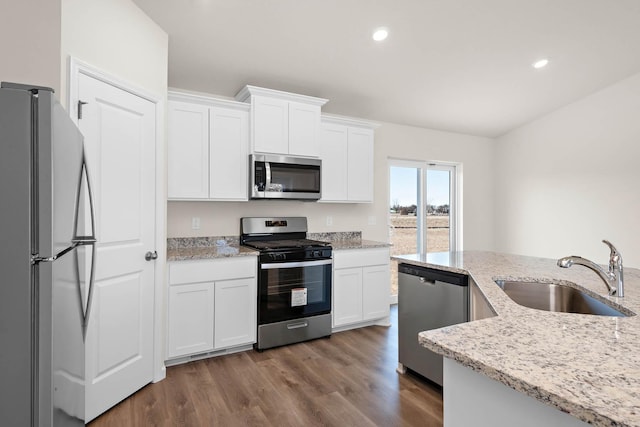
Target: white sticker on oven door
(298, 297)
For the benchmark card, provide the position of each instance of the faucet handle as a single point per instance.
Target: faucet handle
(614, 251)
(615, 255)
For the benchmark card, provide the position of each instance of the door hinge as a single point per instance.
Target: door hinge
(80, 104)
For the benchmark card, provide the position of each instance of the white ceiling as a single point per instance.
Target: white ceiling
(455, 65)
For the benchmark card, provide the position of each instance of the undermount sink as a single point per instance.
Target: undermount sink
(556, 297)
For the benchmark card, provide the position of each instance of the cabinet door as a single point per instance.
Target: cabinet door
(333, 151)
(270, 125)
(188, 151)
(304, 124)
(376, 291)
(229, 151)
(235, 312)
(190, 319)
(347, 296)
(360, 169)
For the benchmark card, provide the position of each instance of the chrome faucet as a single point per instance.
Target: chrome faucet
(611, 277)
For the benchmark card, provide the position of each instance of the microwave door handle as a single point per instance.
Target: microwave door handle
(267, 168)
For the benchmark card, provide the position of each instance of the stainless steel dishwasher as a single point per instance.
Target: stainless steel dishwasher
(427, 299)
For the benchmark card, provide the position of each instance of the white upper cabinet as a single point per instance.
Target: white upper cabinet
(188, 151)
(346, 150)
(304, 122)
(283, 123)
(228, 154)
(334, 141)
(360, 165)
(270, 125)
(208, 148)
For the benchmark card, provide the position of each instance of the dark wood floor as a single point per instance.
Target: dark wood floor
(347, 380)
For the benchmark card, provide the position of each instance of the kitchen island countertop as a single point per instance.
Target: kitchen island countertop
(584, 365)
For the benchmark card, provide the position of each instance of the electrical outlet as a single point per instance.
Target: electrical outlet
(372, 220)
(195, 223)
(329, 220)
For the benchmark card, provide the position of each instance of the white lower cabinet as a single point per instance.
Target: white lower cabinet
(235, 312)
(376, 291)
(361, 287)
(190, 319)
(347, 296)
(212, 305)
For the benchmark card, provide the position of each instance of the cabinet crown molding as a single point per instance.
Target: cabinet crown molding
(348, 121)
(209, 101)
(248, 91)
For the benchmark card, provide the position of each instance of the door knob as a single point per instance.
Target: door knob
(151, 255)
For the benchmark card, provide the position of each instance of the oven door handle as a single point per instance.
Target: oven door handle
(295, 264)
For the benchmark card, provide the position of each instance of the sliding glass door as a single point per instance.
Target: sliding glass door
(422, 209)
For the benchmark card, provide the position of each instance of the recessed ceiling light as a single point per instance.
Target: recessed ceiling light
(541, 63)
(380, 34)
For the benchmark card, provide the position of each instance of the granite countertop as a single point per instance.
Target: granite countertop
(196, 248)
(585, 365)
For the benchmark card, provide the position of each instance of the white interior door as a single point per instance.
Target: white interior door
(119, 130)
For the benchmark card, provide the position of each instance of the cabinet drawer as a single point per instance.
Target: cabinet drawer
(212, 270)
(360, 257)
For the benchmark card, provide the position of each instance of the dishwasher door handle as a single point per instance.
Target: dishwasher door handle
(431, 282)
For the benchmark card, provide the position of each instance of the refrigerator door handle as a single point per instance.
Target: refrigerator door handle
(87, 311)
(84, 239)
(89, 240)
(35, 259)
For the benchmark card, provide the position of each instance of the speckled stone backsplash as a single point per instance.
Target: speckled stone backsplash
(199, 242)
(335, 236)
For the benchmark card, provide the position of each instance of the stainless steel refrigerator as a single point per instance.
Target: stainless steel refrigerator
(47, 257)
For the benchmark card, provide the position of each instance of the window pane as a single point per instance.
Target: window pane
(403, 202)
(438, 210)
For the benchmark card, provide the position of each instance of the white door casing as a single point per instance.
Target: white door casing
(120, 134)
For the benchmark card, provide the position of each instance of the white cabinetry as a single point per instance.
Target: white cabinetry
(270, 125)
(191, 319)
(346, 150)
(361, 288)
(283, 123)
(212, 305)
(235, 312)
(188, 151)
(208, 147)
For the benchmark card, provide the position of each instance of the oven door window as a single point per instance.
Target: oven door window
(293, 290)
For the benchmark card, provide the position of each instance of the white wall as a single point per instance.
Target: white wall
(30, 40)
(572, 178)
(223, 218)
(119, 39)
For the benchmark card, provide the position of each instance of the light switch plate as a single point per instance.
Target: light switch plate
(372, 220)
(329, 220)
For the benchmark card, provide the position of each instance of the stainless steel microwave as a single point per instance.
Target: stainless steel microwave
(284, 177)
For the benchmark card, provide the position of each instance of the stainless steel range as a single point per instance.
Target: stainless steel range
(294, 280)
